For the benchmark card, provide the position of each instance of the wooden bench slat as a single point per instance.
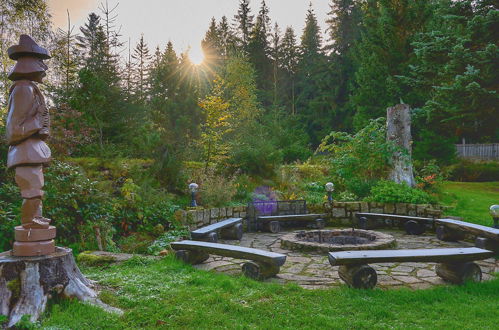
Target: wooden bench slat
(198, 233)
(291, 217)
(409, 255)
(233, 251)
(394, 217)
(479, 230)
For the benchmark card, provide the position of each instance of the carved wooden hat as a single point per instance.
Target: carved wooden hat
(27, 47)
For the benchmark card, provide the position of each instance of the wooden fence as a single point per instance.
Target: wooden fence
(488, 151)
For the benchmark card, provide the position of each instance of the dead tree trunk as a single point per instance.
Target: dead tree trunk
(398, 132)
(26, 284)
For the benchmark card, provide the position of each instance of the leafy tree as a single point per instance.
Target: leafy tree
(216, 126)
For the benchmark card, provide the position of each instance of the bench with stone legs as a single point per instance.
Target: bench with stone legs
(231, 228)
(455, 230)
(272, 223)
(453, 264)
(263, 264)
(412, 225)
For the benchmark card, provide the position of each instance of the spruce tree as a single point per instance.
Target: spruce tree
(289, 63)
(142, 57)
(243, 23)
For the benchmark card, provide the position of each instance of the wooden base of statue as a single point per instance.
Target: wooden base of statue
(33, 242)
(27, 283)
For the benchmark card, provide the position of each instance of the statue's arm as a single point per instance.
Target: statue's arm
(23, 119)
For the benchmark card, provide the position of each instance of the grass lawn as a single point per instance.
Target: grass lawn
(470, 200)
(168, 294)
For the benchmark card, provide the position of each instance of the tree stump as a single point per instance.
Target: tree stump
(449, 235)
(414, 228)
(211, 237)
(274, 226)
(27, 283)
(398, 131)
(235, 232)
(259, 270)
(358, 276)
(191, 257)
(458, 273)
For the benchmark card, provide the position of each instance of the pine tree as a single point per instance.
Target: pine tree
(142, 57)
(211, 45)
(275, 56)
(289, 63)
(243, 23)
(311, 40)
(258, 54)
(383, 53)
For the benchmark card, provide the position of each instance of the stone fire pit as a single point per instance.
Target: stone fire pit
(337, 240)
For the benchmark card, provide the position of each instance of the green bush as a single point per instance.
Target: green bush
(358, 161)
(391, 192)
(163, 242)
(473, 171)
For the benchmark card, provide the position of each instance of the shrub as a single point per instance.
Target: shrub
(391, 192)
(163, 242)
(358, 161)
(216, 189)
(469, 171)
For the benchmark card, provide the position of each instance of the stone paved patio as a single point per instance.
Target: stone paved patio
(313, 271)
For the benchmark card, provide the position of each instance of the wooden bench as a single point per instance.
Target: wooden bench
(231, 228)
(264, 264)
(454, 230)
(454, 264)
(273, 222)
(412, 225)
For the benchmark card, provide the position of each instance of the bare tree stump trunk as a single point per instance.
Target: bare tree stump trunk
(27, 283)
(398, 131)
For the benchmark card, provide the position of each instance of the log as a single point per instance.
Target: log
(358, 276)
(414, 228)
(477, 230)
(398, 131)
(320, 224)
(449, 235)
(487, 244)
(210, 237)
(192, 257)
(274, 226)
(447, 255)
(259, 270)
(37, 279)
(458, 273)
(235, 232)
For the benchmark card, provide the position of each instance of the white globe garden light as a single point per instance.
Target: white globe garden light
(330, 189)
(193, 187)
(494, 212)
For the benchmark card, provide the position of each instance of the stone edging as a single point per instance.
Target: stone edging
(342, 213)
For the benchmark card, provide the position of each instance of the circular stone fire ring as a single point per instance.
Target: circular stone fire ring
(337, 240)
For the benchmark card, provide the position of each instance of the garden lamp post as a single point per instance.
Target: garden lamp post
(494, 212)
(330, 189)
(193, 187)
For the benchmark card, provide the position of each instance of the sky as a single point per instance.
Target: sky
(184, 22)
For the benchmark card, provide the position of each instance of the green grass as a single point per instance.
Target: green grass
(470, 200)
(167, 294)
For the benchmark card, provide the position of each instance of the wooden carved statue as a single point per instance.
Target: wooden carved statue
(35, 270)
(28, 126)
